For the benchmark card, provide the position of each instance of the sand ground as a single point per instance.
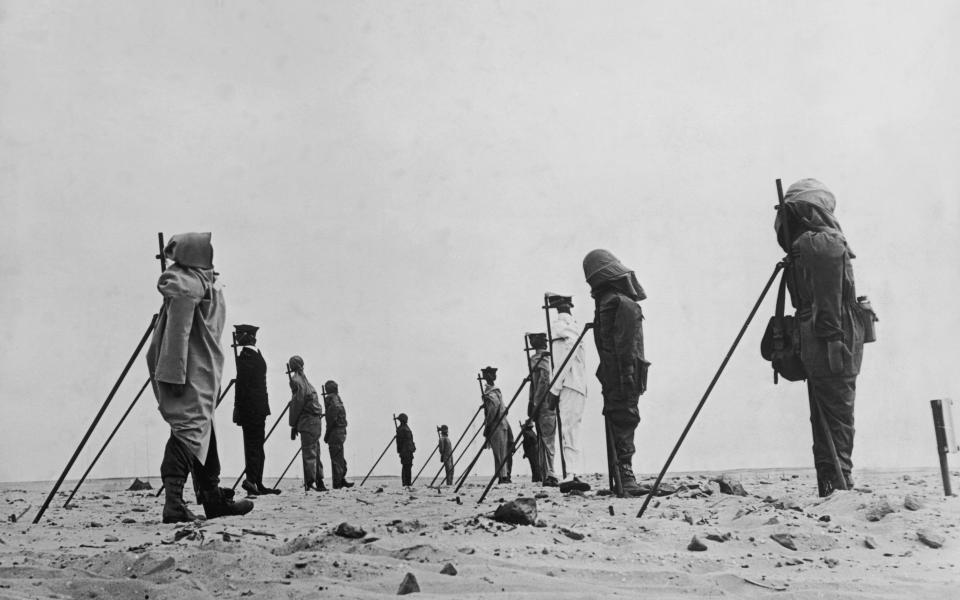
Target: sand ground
(111, 544)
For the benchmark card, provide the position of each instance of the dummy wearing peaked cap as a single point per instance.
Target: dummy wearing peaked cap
(295, 363)
(246, 329)
(489, 371)
(537, 340)
(444, 428)
(402, 417)
(556, 300)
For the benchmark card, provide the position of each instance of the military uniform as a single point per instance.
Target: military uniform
(446, 455)
(618, 336)
(531, 449)
(251, 406)
(571, 389)
(542, 413)
(405, 448)
(495, 428)
(831, 323)
(336, 434)
(305, 419)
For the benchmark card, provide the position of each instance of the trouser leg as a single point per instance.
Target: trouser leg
(206, 475)
(572, 404)
(448, 467)
(835, 397)
(623, 418)
(308, 453)
(338, 463)
(498, 444)
(254, 457)
(319, 471)
(547, 425)
(406, 466)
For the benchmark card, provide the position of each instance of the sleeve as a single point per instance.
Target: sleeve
(181, 299)
(296, 401)
(822, 258)
(539, 389)
(627, 326)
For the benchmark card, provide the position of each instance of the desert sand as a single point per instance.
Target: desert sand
(111, 543)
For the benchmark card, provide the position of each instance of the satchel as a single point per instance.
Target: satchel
(781, 341)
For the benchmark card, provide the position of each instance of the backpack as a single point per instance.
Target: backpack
(781, 341)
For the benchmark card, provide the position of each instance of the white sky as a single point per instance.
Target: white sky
(391, 188)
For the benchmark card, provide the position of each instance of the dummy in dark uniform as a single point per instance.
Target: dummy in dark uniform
(251, 406)
(405, 448)
(336, 435)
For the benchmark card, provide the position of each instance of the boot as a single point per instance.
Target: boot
(174, 508)
(320, 486)
(264, 490)
(216, 504)
(629, 482)
(346, 484)
(250, 487)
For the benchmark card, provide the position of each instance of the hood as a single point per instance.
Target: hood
(190, 250)
(810, 206)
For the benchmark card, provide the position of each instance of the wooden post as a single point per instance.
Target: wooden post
(946, 438)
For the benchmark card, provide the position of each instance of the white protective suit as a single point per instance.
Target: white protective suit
(571, 387)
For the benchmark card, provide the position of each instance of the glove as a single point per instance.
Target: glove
(836, 352)
(293, 433)
(178, 389)
(553, 401)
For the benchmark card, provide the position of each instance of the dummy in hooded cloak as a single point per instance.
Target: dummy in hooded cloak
(820, 280)
(185, 349)
(618, 336)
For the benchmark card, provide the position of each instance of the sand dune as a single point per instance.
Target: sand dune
(112, 544)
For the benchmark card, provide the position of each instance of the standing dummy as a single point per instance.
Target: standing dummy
(446, 453)
(831, 323)
(305, 421)
(336, 435)
(569, 391)
(405, 448)
(185, 362)
(251, 406)
(541, 409)
(495, 422)
(618, 335)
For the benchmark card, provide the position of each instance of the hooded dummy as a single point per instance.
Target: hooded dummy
(185, 348)
(821, 280)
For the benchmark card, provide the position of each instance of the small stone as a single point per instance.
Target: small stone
(610, 508)
(831, 562)
(350, 531)
(879, 510)
(128, 521)
(788, 503)
(824, 518)
(772, 521)
(785, 540)
(716, 537)
(540, 523)
(409, 585)
(930, 538)
(911, 503)
(541, 495)
(573, 535)
(163, 565)
(696, 545)
(522, 511)
(111, 538)
(730, 486)
(448, 569)
(870, 542)
(95, 524)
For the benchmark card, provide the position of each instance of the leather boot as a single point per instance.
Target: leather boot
(174, 508)
(629, 482)
(216, 504)
(263, 490)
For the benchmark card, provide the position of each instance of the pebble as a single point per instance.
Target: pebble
(696, 545)
(409, 585)
(785, 540)
(870, 542)
(111, 538)
(930, 538)
(879, 510)
(448, 569)
(911, 503)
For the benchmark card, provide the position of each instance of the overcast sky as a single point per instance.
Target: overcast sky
(392, 187)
